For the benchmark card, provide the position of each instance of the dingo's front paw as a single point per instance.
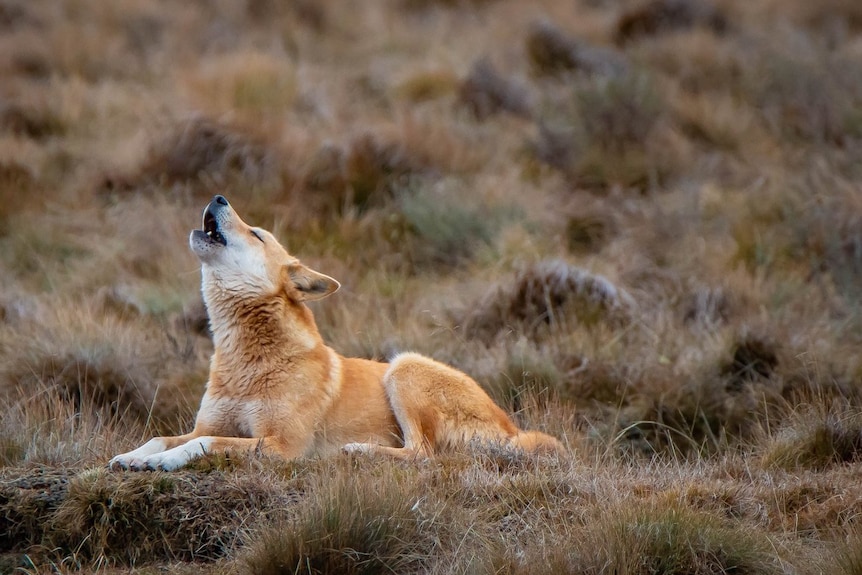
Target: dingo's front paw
(136, 460)
(356, 448)
(167, 460)
(126, 461)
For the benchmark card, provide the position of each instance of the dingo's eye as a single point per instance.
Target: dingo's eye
(257, 235)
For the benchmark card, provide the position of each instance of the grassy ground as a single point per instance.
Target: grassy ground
(637, 224)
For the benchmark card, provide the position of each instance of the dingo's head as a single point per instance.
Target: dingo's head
(246, 261)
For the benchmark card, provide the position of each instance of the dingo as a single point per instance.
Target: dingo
(275, 385)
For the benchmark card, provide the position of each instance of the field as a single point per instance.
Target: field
(638, 224)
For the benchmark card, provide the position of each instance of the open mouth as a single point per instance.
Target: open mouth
(211, 229)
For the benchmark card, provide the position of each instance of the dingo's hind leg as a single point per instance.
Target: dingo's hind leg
(409, 402)
(414, 445)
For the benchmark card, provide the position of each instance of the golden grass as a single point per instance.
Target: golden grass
(638, 226)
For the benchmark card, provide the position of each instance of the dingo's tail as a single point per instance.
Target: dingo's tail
(537, 442)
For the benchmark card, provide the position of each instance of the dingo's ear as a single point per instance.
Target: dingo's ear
(310, 284)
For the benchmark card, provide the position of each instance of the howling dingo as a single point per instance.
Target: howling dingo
(275, 385)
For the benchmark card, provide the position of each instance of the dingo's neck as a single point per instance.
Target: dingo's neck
(257, 328)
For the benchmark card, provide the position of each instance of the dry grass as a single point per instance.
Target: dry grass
(816, 438)
(636, 224)
(348, 527)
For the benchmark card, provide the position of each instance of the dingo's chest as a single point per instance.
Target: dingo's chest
(234, 417)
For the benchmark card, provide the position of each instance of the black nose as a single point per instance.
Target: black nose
(220, 200)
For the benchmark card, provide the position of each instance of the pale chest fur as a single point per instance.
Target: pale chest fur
(235, 417)
(262, 399)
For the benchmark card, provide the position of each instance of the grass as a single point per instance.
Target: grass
(667, 539)
(636, 225)
(345, 527)
(816, 438)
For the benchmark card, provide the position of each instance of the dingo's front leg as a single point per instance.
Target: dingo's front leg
(135, 459)
(179, 454)
(176, 457)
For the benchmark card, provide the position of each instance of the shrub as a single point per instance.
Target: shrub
(810, 97)
(752, 357)
(652, 17)
(552, 52)
(484, 92)
(19, 191)
(375, 167)
(446, 225)
(547, 294)
(613, 135)
(30, 121)
(203, 148)
(367, 172)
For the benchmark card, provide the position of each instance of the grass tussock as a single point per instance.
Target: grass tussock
(589, 230)
(815, 439)
(428, 4)
(347, 527)
(848, 555)
(656, 538)
(548, 294)
(250, 84)
(426, 86)
(671, 539)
